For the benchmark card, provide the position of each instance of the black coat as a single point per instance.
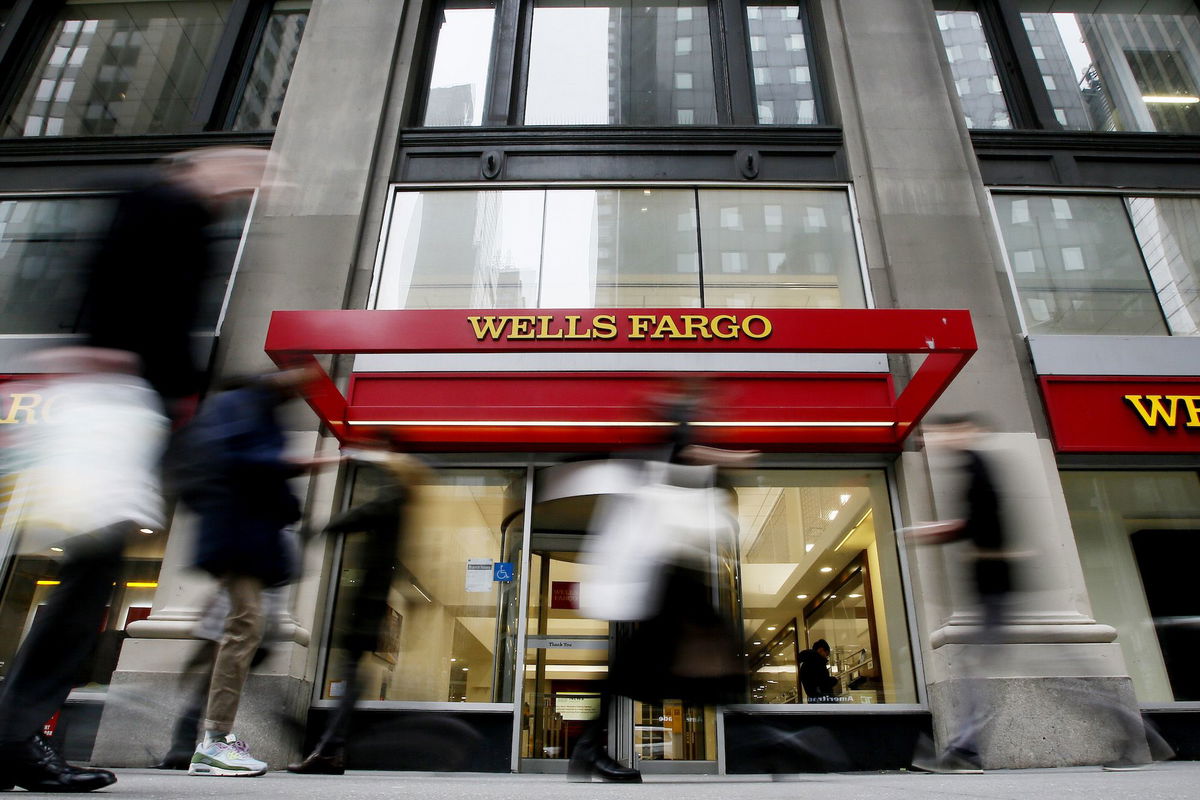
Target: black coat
(814, 676)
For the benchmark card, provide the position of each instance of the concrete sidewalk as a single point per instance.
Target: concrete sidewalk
(1163, 781)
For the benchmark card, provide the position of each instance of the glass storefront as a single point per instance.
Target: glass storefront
(1138, 535)
(646, 247)
(815, 558)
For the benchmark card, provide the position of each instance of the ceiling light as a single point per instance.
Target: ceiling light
(833, 597)
(1179, 100)
(758, 643)
(832, 515)
(145, 530)
(48, 583)
(772, 681)
(645, 191)
(56, 549)
(770, 627)
(453, 660)
(465, 669)
(826, 569)
(142, 585)
(808, 548)
(801, 597)
(856, 594)
(844, 498)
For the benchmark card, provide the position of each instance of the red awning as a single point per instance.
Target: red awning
(532, 407)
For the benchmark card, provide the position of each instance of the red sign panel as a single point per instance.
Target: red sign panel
(564, 594)
(782, 410)
(1123, 415)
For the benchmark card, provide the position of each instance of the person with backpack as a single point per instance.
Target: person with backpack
(230, 468)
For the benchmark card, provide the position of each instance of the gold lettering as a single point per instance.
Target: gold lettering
(667, 324)
(766, 326)
(604, 326)
(544, 328)
(1157, 409)
(728, 332)
(638, 323)
(521, 327)
(693, 323)
(22, 403)
(1192, 403)
(573, 329)
(488, 327)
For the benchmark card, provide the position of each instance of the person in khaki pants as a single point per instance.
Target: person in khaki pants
(229, 466)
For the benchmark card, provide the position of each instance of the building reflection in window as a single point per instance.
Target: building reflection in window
(1119, 72)
(271, 70)
(620, 63)
(784, 89)
(120, 69)
(462, 55)
(971, 64)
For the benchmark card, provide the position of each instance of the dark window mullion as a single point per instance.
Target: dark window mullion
(735, 42)
(499, 108)
(213, 101)
(521, 65)
(1020, 77)
(815, 44)
(30, 22)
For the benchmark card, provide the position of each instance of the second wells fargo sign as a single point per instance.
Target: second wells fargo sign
(1123, 415)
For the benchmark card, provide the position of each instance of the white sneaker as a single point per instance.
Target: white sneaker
(227, 757)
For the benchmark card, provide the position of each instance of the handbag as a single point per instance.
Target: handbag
(674, 518)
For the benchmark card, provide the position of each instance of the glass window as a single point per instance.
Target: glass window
(1139, 536)
(1120, 72)
(975, 76)
(779, 249)
(1077, 266)
(262, 99)
(445, 638)
(119, 69)
(819, 561)
(783, 86)
(1168, 230)
(613, 63)
(637, 247)
(44, 250)
(462, 55)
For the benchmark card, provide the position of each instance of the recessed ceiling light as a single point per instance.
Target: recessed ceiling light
(453, 660)
(844, 498)
(56, 549)
(145, 530)
(758, 642)
(833, 597)
(465, 669)
(801, 597)
(854, 595)
(832, 515)
(808, 548)
(826, 569)
(770, 627)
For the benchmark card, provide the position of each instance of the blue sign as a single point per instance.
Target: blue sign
(502, 571)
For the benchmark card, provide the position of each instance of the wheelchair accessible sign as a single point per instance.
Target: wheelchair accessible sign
(483, 572)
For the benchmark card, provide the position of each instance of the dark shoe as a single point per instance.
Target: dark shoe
(37, 767)
(586, 762)
(319, 764)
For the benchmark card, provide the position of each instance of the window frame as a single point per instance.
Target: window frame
(32, 23)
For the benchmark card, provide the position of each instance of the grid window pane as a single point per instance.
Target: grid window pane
(262, 99)
(613, 63)
(779, 249)
(1077, 266)
(120, 69)
(457, 86)
(974, 71)
(783, 85)
(1119, 72)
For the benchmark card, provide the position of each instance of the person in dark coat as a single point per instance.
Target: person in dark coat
(383, 519)
(239, 490)
(818, 684)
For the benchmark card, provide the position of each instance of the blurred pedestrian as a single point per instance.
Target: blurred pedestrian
(231, 470)
(196, 679)
(382, 519)
(145, 281)
(92, 477)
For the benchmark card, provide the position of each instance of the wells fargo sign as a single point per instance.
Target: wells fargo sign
(599, 327)
(19, 405)
(1123, 415)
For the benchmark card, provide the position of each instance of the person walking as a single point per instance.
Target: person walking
(382, 519)
(92, 477)
(235, 477)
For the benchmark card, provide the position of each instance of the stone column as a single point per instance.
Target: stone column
(1058, 688)
(305, 242)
